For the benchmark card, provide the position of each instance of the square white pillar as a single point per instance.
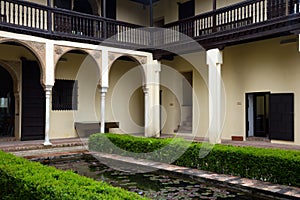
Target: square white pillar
(214, 59)
(152, 107)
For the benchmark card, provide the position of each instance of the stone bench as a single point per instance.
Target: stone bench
(85, 129)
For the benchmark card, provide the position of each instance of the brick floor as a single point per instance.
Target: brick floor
(38, 144)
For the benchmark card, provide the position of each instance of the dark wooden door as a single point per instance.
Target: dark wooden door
(282, 117)
(33, 102)
(186, 10)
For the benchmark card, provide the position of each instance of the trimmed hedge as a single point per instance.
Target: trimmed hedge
(23, 179)
(273, 165)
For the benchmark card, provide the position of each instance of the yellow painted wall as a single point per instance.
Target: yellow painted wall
(41, 2)
(265, 66)
(201, 6)
(129, 11)
(83, 69)
(196, 63)
(126, 97)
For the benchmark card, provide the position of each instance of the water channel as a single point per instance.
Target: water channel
(154, 185)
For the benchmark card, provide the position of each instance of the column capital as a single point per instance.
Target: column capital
(48, 88)
(145, 89)
(103, 89)
(214, 56)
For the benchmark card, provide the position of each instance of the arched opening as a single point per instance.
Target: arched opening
(7, 104)
(125, 96)
(30, 103)
(75, 96)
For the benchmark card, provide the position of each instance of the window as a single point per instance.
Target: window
(65, 95)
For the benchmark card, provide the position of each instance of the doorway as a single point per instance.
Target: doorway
(111, 9)
(7, 104)
(258, 114)
(33, 102)
(186, 10)
(270, 115)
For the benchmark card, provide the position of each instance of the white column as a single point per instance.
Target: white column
(103, 91)
(214, 61)
(48, 91)
(152, 107)
(146, 96)
(48, 84)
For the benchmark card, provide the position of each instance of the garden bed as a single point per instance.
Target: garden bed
(272, 165)
(23, 179)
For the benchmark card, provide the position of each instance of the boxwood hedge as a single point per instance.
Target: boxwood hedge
(273, 165)
(23, 179)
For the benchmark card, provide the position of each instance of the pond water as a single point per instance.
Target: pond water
(152, 185)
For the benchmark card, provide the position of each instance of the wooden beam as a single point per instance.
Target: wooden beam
(104, 8)
(151, 12)
(214, 5)
(214, 16)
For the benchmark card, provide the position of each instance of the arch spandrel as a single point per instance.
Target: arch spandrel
(38, 49)
(60, 50)
(142, 60)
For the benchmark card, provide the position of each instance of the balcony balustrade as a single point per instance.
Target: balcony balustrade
(243, 18)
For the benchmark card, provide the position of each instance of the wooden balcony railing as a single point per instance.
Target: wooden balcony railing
(62, 23)
(232, 17)
(27, 17)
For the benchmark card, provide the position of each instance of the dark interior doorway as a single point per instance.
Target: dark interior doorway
(186, 10)
(111, 9)
(83, 6)
(33, 102)
(64, 4)
(7, 104)
(270, 115)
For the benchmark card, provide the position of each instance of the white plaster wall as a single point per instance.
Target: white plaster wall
(265, 66)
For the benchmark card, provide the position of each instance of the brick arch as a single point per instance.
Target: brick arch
(37, 49)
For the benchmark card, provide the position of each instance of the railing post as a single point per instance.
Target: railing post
(49, 16)
(104, 29)
(214, 16)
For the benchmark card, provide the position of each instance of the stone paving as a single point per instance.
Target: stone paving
(35, 149)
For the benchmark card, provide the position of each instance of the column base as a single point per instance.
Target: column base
(47, 144)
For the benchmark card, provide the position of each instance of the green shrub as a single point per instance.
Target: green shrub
(22, 179)
(273, 165)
